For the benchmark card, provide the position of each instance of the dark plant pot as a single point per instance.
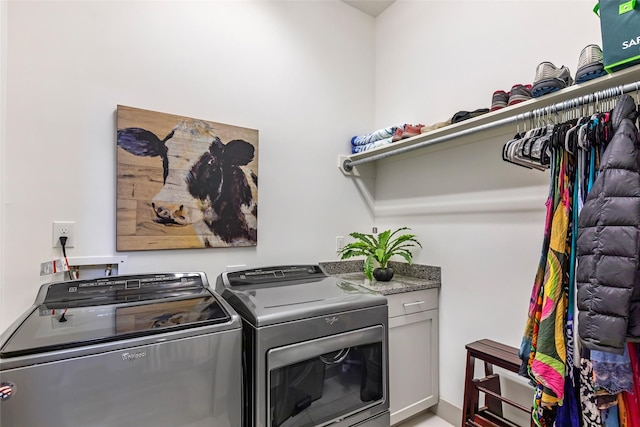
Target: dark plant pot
(383, 274)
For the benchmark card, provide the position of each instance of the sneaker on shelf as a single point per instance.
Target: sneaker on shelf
(397, 136)
(550, 78)
(499, 100)
(412, 130)
(407, 131)
(590, 64)
(519, 93)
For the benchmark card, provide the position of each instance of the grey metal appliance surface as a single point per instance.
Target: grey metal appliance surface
(152, 350)
(315, 348)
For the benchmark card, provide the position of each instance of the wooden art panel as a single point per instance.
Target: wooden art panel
(184, 182)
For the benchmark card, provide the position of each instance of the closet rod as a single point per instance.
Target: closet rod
(611, 92)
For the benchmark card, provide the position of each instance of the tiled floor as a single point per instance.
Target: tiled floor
(426, 419)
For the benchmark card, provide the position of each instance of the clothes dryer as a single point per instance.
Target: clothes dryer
(315, 348)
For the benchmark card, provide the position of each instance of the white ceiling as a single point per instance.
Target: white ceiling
(370, 7)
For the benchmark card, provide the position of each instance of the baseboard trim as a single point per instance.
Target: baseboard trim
(448, 412)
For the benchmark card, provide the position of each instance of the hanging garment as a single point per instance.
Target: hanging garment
(548, 365)
(612, 371)
(624, 410)
(543, 348)
(610, 417)
(530, 337)
(529, 345)
(632, 400)
(590, 411)
(608, 239)
(576, 150)
(568, 414)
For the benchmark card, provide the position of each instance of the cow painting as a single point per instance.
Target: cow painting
(184, 183)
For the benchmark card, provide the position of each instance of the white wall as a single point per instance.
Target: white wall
(434, 58)
(307, 75)
(302, 73)
(3, 92)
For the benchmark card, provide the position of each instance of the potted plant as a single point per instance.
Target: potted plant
(380, 249)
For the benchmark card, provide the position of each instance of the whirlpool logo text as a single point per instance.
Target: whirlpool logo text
(130, 357)
(331, 320)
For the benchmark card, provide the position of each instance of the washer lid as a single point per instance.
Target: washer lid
(273, 295)
(85, 312)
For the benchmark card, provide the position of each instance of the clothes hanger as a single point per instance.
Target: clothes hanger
(508, 150)
(536, 149)
(510, 154)
(519, 151)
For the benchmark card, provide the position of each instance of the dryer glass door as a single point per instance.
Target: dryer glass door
(321, 381)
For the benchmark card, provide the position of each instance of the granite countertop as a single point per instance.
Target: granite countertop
(407, 278)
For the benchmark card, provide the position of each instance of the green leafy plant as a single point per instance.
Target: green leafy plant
(379, 248)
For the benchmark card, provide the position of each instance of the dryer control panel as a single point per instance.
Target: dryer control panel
(261, 276)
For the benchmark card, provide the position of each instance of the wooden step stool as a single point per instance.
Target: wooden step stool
(490, 415)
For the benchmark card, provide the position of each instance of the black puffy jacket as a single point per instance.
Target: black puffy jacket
(608, 246)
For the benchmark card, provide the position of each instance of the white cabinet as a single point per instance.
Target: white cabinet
(413, 352)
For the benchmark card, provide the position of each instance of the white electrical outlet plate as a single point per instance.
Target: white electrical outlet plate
(46, 268)
(63, 228)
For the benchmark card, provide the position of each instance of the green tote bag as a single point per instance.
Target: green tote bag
(620, 26)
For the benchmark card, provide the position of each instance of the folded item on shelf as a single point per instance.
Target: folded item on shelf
(466, 115)
(374, 136)
(435, 126)
(375, 144)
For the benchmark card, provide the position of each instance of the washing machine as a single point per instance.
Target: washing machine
(150, 350)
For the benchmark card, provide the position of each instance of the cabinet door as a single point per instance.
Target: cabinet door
(413, 364)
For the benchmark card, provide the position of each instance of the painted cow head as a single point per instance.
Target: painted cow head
(208, 186)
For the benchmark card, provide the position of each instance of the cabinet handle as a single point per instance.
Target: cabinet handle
(409, 304)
